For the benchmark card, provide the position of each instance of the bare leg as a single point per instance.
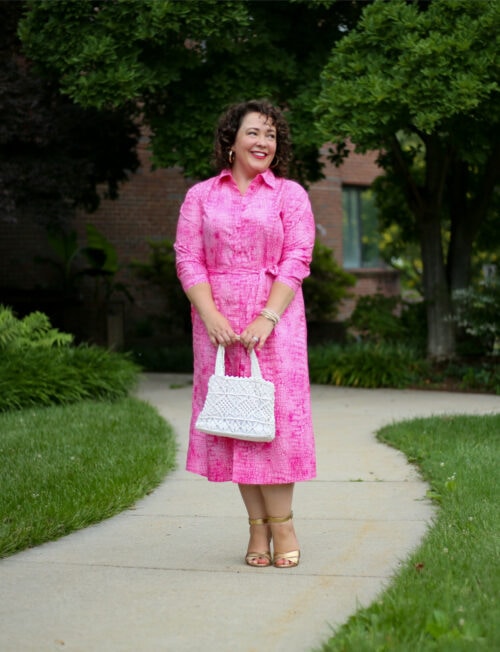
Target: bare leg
(254, 500)
(278, 500)
(260, 535)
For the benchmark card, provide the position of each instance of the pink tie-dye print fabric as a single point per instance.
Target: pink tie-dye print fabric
(240, 244)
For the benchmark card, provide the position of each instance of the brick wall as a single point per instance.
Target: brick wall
(147, 210)
(326, 200)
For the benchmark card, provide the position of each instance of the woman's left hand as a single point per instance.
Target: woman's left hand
(254, 336)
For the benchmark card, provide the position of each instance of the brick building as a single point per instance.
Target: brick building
(147, 210)
(346, 221)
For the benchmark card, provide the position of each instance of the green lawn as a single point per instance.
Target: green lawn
(66, 467)
(446, 596)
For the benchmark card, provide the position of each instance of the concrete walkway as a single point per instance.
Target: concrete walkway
(168, 575)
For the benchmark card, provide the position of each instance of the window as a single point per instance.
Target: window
(360, 236)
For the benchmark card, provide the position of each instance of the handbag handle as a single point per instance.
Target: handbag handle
(220, 364)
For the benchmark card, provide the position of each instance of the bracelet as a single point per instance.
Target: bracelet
(271, 315)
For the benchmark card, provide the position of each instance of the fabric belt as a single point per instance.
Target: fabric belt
(262, 273)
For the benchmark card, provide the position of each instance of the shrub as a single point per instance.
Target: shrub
(377, 318)
(72, 262)
(160, 272)
(414, 322)
(483, 378)
(64, 375)
(374, 318)
(477, 311)
(40, 367)
(365, 365)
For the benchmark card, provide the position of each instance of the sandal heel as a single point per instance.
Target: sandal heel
(252, 558)
(293, 556)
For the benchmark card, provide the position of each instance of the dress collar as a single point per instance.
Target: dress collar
(267, 176)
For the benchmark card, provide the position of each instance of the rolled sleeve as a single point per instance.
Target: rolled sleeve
(189, 253)
(299, 234)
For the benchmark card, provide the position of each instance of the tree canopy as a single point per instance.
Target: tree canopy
(53, 152)
(420, 82)
(184, 62)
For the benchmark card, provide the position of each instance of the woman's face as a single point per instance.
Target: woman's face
(255, 145)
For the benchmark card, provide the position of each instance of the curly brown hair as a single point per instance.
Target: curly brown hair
(230, 122)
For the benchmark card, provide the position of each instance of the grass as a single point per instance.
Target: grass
(445, 598)
(66, 467)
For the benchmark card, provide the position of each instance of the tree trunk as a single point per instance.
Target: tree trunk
(426, 203)
(441, 342)
(440, 328)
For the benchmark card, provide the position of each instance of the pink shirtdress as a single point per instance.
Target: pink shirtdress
(240, 244)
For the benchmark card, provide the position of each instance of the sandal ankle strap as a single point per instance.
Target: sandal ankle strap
(258, 521)
(280, 519)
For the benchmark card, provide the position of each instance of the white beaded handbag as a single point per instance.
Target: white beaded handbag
(238, 407)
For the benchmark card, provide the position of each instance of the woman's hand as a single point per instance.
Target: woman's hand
(256, 333)
(219, 329)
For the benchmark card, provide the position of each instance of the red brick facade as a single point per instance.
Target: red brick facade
(326, 200)
(148, 208)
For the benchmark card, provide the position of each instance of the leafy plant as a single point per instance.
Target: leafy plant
(374, 318)
(97, 259)
(487, 376)
(477, 311)
(326, 286)
(103, 266)
(365, 365)
(65, 246)
(33, 331)
(136, 52)
(55, 155)
(160, 272)
(40, 367)
(377, 318)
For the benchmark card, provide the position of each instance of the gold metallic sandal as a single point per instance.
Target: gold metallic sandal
(294, 555)
(252, 558)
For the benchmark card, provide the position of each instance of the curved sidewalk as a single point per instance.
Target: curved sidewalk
(168, 575)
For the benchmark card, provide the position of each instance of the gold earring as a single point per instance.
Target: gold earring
(231, 157)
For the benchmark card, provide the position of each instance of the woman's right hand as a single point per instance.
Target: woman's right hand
(219, 329)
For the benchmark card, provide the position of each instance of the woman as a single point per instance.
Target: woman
(244, 244)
